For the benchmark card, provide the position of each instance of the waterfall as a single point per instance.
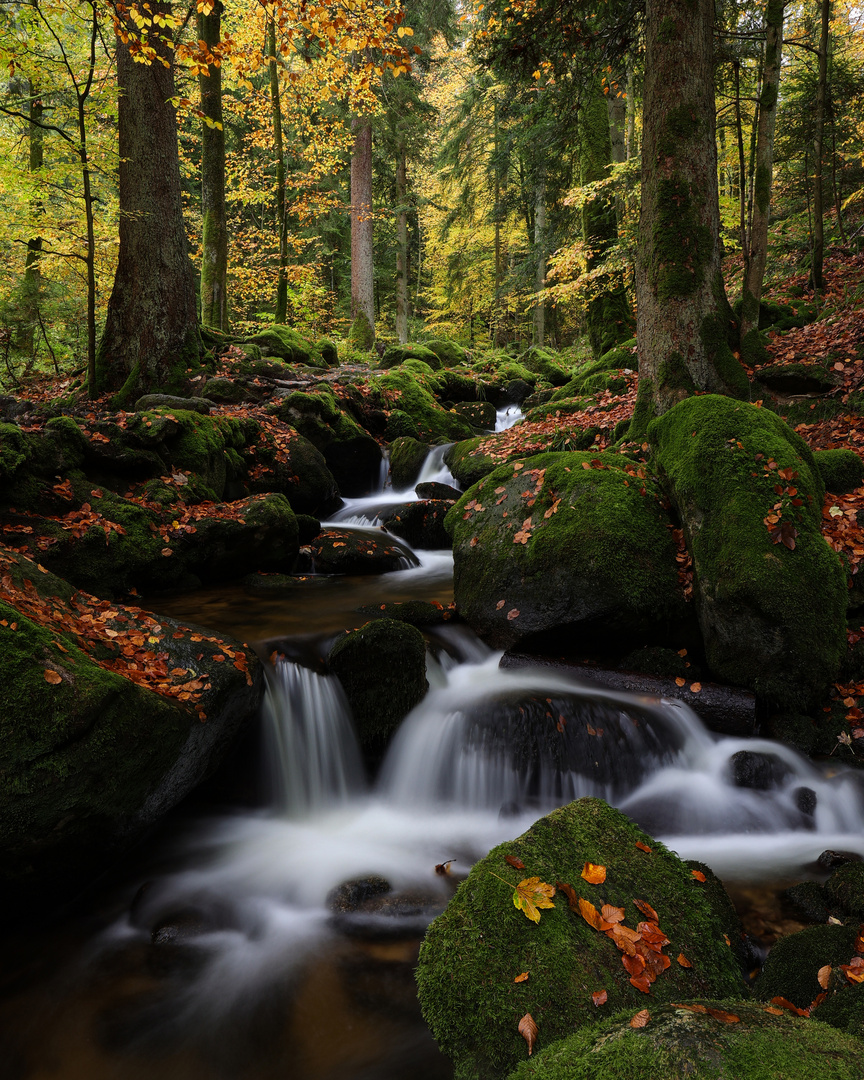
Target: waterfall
(507, 416)
(316, 761)
(434, 470)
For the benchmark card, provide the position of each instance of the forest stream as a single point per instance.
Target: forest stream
(217, 951)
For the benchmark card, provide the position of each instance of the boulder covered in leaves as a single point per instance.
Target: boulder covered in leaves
(770, 593)
(576, 543)
(420, 523)
(702, 1040)
(109, 716)
(583, 911)
(358, 551)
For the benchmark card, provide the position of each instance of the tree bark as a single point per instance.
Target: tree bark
(402, 247)
(214, 224)
(751, 286)
(540, 254)
(32, 269)
(151, 334)
(362, 281)
(684, 319)
(281, 220)
(816, 275)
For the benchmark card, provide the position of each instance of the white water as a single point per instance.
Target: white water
(507, 416)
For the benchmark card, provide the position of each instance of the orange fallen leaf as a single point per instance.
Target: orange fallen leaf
(532, 894)
(784, 1003)
(723, 1016)
(859, 941)
(774, 1012)
(679, 681)
(528, 1031)
(612, 914)
(599, 997)
(689, 1008)
(695, 687)
(642, 847)
(570, 893)
(513, 613)
(634, 965)
(854, 970)
(442, 869)
(683, 961)
(823, 975)
(517, 864)
(640, 1019)
(594, 874)
(646, 909)
(698, 875)
(522, 978)
(53, 677)
(592, 916)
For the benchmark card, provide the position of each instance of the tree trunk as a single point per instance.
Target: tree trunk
(817, 279)
(608, 317)
(631, 148)
(402, 247)
(214, 224)
(684, 318)
(617, 106)
(32, 269)
(751, 286)
(151, 335)
(281, 220)
(540, 254)
(362, 282)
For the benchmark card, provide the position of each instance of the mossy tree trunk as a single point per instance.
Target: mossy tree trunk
(362, 284)
(684, 318)
(402, 246)
(609, 319)
(751, 287)
(214, 224)
(540, 254)
(281, 221)
(32, 268)
(151, 333)
(817, 279)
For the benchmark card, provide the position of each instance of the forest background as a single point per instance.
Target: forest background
(494, 131)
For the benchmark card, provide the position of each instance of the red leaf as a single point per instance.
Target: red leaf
(599, 997)
(517, 864)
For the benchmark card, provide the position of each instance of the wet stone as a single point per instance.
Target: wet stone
(431, 489)
(758, 771)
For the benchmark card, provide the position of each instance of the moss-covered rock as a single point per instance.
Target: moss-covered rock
(770, 593)
(474, 951)
(595, 375)
(327, 351)
(574, 542)
(687, 1039)
(546, 364)
(472, 459)
(224, 391)
(841, 470)
(797, 378)
(397, 354)
(404, 393)
(382, 668)
(282, 342)
(279, 459)
(845, 889)
(351, 454)
(356, 552)
(406, 461)
(479, 414)
(844, 1010)
(91, 759)
(793, 964)
(420, 523)
(448, 352)
(415, 612)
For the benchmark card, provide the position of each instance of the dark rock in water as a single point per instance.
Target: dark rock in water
(308, 528)
(759, 771)
(830, 860)
(170, 401)
(382, 669)
(406, 460)
(702, 1040)
(845, 888)
(352, 895)
(421, 524)
(476, 947)
(415, 612)
(356, 551)
(516, 391)
(390, 916)
(809, 900)
(806, 800)
(432, 490)
(659, 662)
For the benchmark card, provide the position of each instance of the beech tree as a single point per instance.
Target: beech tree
(684, 319)
(151, 332)
(214, 223)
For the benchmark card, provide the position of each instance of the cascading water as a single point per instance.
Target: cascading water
(507, 416)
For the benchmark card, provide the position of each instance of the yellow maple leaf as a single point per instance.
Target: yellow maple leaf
(532, 894)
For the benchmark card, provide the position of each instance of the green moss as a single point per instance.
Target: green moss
(480, 414)
(361, 336)
(14, 450)
(282, 342)
(793, 964)
(667, 32)
(546, 364)
(681, 244)
(382, 668)
(678, 1042)
(673, 375)
(844, 1010)
(753, 350)
(566, 543)
(841, 470)
(773, 619)
(474, 950)
(643, 411)
(397, 354)
(406, 460)
(845, 888)
(448, 352)
(433, 422)
(715, 334)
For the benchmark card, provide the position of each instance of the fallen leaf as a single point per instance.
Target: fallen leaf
(570, 893)
(634, 965)
(695, 687)
(443, 868)
(823, 975)
(859, 941)
(599, 997)
(642, 847)
(786, 1004)
(594, 874)
(53, 677)
(517, 864)
(513, 613)
(522, 978)
(500, 604)
(689, 1008)
(647, 910)
(679, 681)
(640, 1019)
(612, 914)
(532, 894)
(723, 1016)
(683, 961)
(528, 1031)
(592, 916)
(698, 875)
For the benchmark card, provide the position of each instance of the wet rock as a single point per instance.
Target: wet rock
(352, 895)
(308, 528)
(759, 771)
(809, 899)
(830, 860)
(170, 401)
(432, 490)
(415, 612)
(421, 524)
(406, 460)
(479, 414)
(806, 800)
(355, 551)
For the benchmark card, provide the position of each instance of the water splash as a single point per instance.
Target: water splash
(507, 416)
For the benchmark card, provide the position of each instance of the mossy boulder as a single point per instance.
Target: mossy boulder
(351, 454)
(91, 760)
(397, 354)
(382, 668)
(771, 598)
(845, 889)
(282, 342)
(358, 552)
(841, 470)
(574, 543)
(844, 1010)
(279, 459)
(406, 461)
(448, 352)
(546, 364)
(420, 523)
(328, 352)
(792, 967)
(474, 950)
(699, 1040)
(797, 378)
(480, 414)
(471, 459)
(224, 391)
